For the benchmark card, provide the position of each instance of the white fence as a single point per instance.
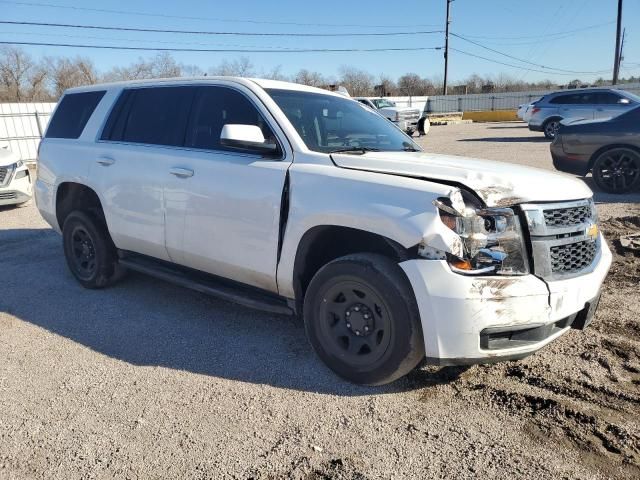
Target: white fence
(22, 125)
(497, 101)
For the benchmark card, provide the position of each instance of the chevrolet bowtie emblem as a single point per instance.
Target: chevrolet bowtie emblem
(592, 231)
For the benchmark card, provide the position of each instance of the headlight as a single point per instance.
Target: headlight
(492, 240)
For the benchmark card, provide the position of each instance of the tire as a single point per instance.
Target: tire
(362, 320)
(550, 128)
(617, 170)
(423, 126)
(90, 253)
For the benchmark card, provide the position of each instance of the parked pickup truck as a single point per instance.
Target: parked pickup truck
(295, 200)
(407, 119)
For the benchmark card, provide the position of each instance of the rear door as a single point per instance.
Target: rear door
(134, 156)
(223, 204)
(576, 105)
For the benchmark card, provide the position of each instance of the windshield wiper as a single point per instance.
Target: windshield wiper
(357, 150)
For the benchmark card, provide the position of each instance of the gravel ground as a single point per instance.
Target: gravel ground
(148, 380)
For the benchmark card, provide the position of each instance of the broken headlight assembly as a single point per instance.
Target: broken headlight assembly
(490, 239)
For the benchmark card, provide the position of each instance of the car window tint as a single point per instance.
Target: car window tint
(114, 128)
(607, 98)
(215, 107)
(73, 113)
(157, 115)
(560, 99)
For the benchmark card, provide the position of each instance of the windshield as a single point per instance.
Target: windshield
(382, 103)
(327, 123)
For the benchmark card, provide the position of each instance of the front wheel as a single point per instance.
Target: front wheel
(617, 170)
(362, 320)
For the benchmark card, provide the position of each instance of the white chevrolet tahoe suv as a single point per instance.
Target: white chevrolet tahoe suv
(296, 200)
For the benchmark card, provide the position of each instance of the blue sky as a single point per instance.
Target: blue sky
(493, 23)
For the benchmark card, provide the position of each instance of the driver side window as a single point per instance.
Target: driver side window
(215, 107)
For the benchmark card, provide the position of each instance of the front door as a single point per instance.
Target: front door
(223, 205)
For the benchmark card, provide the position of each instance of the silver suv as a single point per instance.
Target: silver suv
(594, 103)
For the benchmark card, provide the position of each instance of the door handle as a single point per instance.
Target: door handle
(181, 172)
(106, 161)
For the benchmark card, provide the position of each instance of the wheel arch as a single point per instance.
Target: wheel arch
(323, 243)
(72, 196)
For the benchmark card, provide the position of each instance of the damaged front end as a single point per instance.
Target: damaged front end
(479, 240)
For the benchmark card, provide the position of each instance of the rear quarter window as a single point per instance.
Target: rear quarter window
(72, 114)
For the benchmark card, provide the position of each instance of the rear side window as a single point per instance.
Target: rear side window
(575, 99)
(156, 116)
(215, 107)
(73, 113)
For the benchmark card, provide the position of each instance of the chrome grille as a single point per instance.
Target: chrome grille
(563, 243)
(567, 217)
(3, 174)
(8, 196)
(573, 257)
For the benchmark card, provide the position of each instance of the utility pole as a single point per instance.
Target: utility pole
(616, 63)
(446, 47)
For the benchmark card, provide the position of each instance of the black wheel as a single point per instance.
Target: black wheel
(362, 320)
(551, 127)
(617, 170)
(89, 250)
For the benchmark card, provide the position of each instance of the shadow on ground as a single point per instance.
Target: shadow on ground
(144, 321)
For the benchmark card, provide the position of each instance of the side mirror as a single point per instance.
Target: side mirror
(624, 101)
(246, 137)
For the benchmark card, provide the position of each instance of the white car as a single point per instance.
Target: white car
(524, 111)
(296, 200)
(15, 179)
(407, 119)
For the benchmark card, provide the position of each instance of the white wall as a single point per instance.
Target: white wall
(19, 127)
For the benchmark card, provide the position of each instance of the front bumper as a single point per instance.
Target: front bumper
(458, 312)
(17, 191)
(406, 125)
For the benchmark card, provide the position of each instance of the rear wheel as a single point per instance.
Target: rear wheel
(90, 253)
(362, 319)
(617, 170)
(551, 128)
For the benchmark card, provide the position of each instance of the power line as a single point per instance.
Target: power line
(561, 34)
(229, 20)
(216, 50)
(167, 42)
(522, 60)
(509, 64)
(205, 32)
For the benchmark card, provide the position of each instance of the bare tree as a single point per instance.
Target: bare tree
(411, 84)
(16, 68)
(275, 74)
(312, 79)
(386, 86)
(162, 65)
(241, 67)
(358, 82)
(67, 73)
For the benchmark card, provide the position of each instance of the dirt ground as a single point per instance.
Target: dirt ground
(148, 380)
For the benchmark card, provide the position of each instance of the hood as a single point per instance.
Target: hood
(7, 157)
(496, 183)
